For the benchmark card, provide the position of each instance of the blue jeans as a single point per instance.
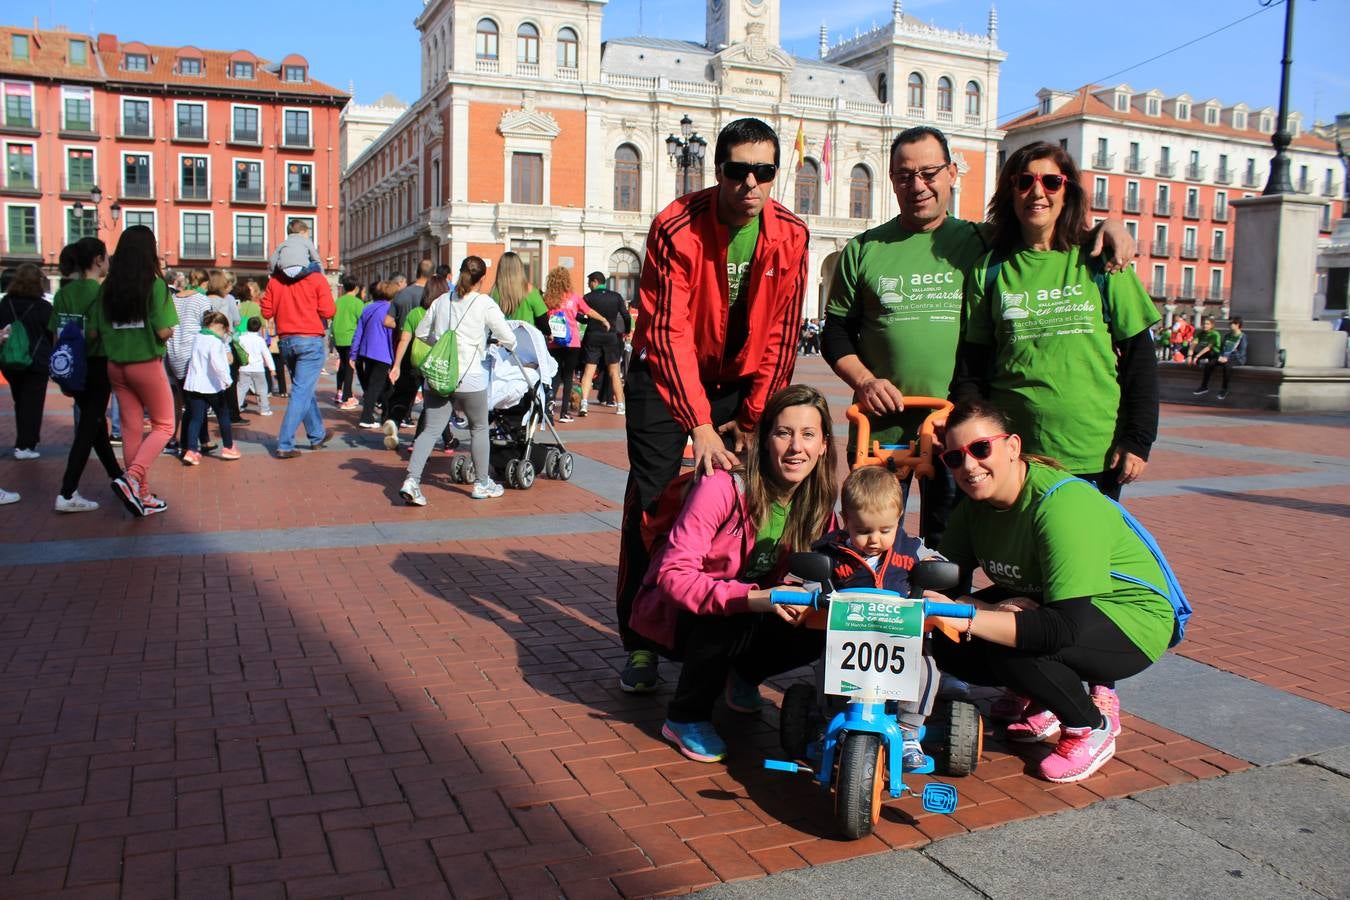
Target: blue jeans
(304, 355)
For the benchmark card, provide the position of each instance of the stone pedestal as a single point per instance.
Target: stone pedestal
(1274, 282)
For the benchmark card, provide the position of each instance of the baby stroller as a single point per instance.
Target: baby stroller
(518, 398)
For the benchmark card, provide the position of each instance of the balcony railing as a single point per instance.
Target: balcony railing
(944, 115)
(135, 129)
(915, 112)
(250, 251)
(527, 69)
(1162, 208)
(1218, 254)
(136, 190)
(568, 73)
(1331, 189)
(20, 180)
(1250, 180)
(189, 132)
(1132, 205)
(1103, 160)
(1195, 172)
(972, 119)
(1101, 201)
(1223, 175)
(1166, 170)
(1186, 292)
(1193, 211)
(194, 192)
(300, 198)
(247, 194)
(296, 140)
(244, 136)
(486, 66)
(198, 250)
(1217, 295)
(1190, 251)
(1157, 290)
(1135, 164)
(1220, 212)
(1303, 186)
(1160, 249)
(17, 121)
(78, 125)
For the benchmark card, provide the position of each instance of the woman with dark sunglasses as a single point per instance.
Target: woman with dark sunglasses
(1062, 609)
(1050, 337)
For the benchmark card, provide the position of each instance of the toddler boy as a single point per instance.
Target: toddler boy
(296, 256)
(253, 376)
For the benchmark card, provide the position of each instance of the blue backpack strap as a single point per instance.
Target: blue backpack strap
(1181, 607)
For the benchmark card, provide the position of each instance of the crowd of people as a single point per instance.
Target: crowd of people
(1032, 323)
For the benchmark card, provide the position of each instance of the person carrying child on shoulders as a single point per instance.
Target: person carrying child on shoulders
(296, 256)
(873, 550)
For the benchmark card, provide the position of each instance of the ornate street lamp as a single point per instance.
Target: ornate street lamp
(96, 195)
(686, 154)
(1279, 182)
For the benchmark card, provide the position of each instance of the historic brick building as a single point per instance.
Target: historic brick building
(215, 150)
(532, 135)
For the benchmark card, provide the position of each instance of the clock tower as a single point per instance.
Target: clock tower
(737, 21)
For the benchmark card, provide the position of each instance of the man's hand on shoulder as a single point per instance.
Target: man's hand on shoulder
(710, 452)
(878, 397)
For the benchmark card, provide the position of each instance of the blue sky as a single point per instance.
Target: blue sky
(1050, 43)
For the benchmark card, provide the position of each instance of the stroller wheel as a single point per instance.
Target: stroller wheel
(550, 469)
(512, 468)
(470, 475)
(457, 470)
(524, 474)
(564, 469)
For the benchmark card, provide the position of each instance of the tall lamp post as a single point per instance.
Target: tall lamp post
(1278, 182)
(686, 155)
(96, 195)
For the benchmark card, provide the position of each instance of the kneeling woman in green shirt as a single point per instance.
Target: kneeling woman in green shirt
(1060, 617)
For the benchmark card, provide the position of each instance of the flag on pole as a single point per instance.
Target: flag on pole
(801, 145)
(825, 157)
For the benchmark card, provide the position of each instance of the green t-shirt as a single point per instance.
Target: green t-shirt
(75, 302)
(249, 309)
(531, 307)
(134, 342)
(349, 308)
(765, 552)
(740, 251)
(413, 319)
(1211, 339)
(902, 292)
(1055, 366)
(1064, 548)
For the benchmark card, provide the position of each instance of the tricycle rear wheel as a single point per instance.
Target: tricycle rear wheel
(956, 730)
(862, 772)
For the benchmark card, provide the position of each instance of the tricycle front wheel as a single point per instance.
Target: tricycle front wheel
(858, 792)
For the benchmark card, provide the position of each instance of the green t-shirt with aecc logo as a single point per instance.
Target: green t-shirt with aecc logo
(1055, 366)
(740, 251)
(133, 342)
(75, 302)
(1211, 339)
(765, 552)
(902, 291)
(1062, 548)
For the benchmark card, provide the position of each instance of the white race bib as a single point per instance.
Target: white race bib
(873, 646)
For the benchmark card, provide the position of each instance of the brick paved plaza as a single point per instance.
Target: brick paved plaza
(292, 685)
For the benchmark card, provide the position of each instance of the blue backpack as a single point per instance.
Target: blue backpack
(559, 329)
(1181, 607)
(67, 365)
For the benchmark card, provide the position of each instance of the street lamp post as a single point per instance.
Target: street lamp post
(1279, 182)
(1343, 151)
(686, 155)
(96, 195)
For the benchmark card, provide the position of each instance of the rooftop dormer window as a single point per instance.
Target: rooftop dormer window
(293, 74)
(136, 62)
(1211, 116)
(189, 65)
(241, 70)
(78, 53)
(18, 46)
(1184, 112)
(1151, 106)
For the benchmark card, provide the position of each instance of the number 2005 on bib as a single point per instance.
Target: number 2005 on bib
(873, 646)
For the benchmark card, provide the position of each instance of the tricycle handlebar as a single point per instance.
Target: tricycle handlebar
(951, 610)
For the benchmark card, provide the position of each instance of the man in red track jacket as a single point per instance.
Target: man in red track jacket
(299, 308)
(720, 306)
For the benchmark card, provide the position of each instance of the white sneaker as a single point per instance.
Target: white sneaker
(487, 491)
(390, 429)
(25, 454)
(265, 412)
(412, 493)
(75, 504)
(584, 409)
(8, 497)
(621, 410)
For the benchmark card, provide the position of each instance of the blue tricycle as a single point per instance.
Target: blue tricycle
(874, 638)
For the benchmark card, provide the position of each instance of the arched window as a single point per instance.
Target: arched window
(485, 42)
(567, 49)
(915, 91)
(944, 94)
(972, 101)
(527, 44)
(808, 189)
(624, 269)
(860, 193)
(627, 179)
(882, 87)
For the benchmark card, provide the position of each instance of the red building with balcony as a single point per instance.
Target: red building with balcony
(216, 151)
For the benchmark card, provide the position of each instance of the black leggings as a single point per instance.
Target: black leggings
(1209, 373)
(91, 427)
(344, 372)
(1090, 648)
(757, 645)
(567, 358)
(374, 386)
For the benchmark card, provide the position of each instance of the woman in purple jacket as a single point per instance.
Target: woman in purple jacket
(705, 598)
(373, 348)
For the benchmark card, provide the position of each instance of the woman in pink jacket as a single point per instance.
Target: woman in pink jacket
(705, 598)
